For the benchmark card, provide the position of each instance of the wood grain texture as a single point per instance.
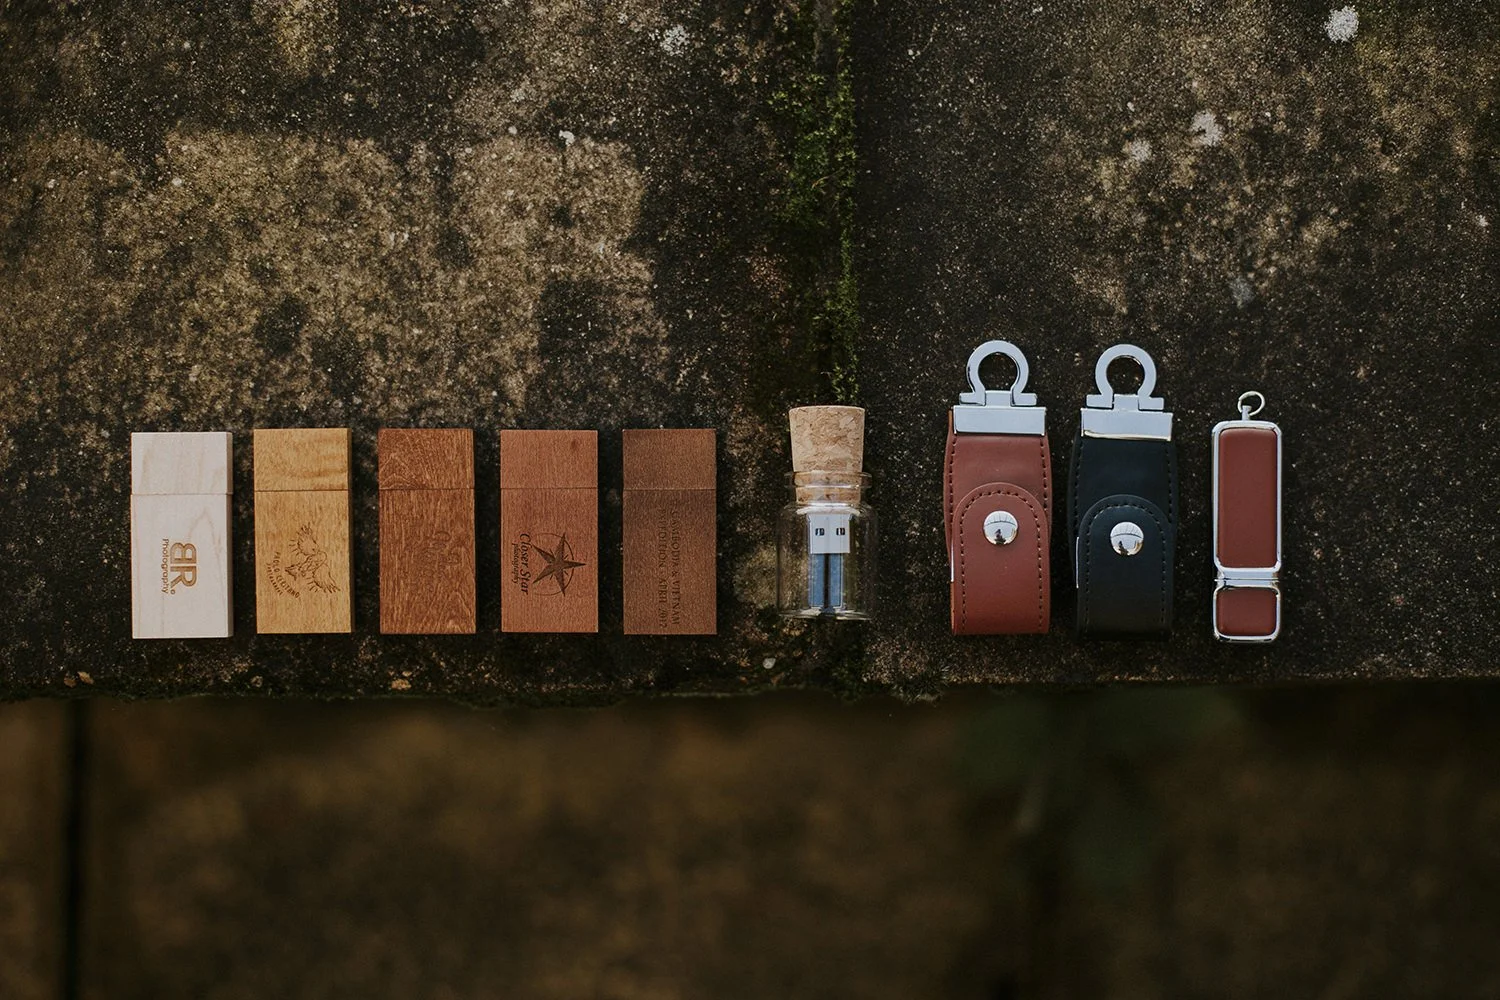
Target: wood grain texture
(549, 459)
(180, 535)
(669, 544)
(180, 462)
(676, 458)
(303, 581)
(669, 541)
(427, 561)
(301, 458)
(420, 458)
(180, 568)
(426, 530)
(549, 573)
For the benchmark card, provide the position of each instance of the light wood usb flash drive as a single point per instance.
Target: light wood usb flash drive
(302, 561)
(180, 484)
(426, 530)
(669, 532)
(549, 531)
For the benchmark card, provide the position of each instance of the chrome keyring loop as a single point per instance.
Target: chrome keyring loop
(1142, 398)
(1019, 395)
(1246, 412)
(1139, 355)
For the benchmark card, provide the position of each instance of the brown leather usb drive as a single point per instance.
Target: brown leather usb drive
(426, 530)
(302, 578)
(669, 532)
(997, 505)
(1247, 526)
(549, 531)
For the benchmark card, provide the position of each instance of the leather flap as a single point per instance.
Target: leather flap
(1125, 579)
(974, 460)
(1000, 589)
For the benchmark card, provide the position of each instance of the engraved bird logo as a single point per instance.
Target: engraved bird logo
(312, 567)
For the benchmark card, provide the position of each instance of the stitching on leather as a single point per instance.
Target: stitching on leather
(952, 450)
(1166, 450)
(1075, 516)
(1041, 445)
(1088, 562)
(948, 498)
(963, 590)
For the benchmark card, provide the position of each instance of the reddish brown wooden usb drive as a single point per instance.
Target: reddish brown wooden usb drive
(669, 532)
(426, 530)
(549, 530)
(302, 530)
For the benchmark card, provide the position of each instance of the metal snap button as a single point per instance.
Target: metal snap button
(1126, 538)
(1000, 527)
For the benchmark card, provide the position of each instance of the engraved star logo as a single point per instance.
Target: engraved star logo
(559, 566)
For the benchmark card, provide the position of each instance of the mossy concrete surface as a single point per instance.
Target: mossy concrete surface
(456, 214)
(1262, 200)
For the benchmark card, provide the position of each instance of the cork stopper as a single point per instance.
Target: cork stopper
(827, 439)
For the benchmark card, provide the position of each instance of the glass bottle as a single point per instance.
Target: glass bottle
(825, 547)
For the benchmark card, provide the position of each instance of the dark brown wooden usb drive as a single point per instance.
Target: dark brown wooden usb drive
(669, 536)
(549, 531)
(426, 530)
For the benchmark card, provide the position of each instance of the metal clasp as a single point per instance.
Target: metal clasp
(998, 411)
(1117, 415)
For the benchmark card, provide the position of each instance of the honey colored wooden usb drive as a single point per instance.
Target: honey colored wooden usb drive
(426, 530)
(670, 536)
(180, 485)
(549, 531)
(302, 578)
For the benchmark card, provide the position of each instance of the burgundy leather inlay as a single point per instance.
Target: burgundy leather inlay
(1248, 612)
(1248, 491)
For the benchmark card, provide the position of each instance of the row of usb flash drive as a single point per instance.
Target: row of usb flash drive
(549, 513)
(1122, 510)
(999, 491)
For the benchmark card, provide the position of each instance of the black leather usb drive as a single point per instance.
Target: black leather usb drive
(1122, 506)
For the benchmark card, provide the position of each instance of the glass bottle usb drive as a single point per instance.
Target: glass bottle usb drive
(825, 537)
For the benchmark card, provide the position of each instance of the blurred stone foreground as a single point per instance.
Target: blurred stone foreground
(636, 213)
(1131, 843)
